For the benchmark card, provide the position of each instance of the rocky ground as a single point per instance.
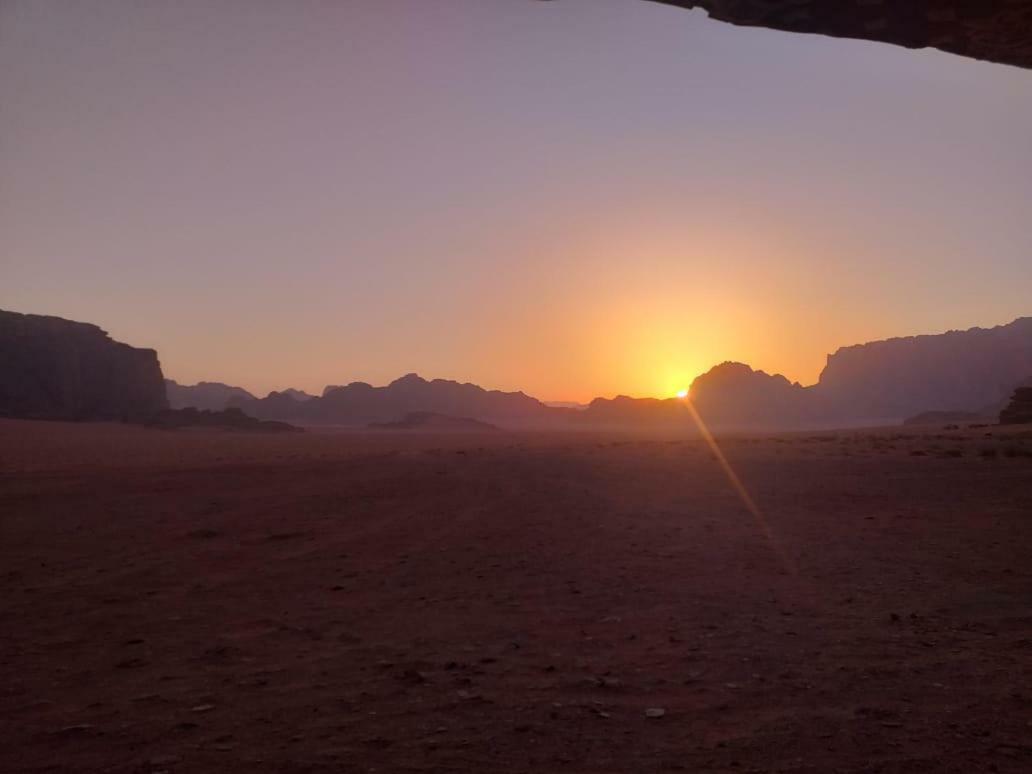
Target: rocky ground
(196, 601)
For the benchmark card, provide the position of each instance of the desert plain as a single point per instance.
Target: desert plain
(209, 601)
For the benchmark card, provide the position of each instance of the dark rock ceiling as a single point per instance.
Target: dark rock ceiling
(993, 30)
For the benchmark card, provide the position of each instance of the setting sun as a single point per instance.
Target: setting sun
(682, 393)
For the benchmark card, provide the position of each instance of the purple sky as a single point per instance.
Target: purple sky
(574, 198)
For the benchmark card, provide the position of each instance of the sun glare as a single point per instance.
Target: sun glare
(682, 393)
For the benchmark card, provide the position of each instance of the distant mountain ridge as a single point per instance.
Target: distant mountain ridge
(360, 403)
(215, 396)
(298, 394)
(55, 368)
(879, 382)
(728, 395)
(205, 396)
(735, 394)
(969, 370)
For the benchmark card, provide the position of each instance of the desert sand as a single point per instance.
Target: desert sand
(206, 601)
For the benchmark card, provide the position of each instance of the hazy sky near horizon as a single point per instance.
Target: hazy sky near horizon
(577, 198)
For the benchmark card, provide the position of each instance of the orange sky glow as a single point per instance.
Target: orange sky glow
(576, 199)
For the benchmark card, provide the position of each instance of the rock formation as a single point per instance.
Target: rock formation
(51, 368)
(994, 30)
(624, 410)
(211, 396)
(1019, 410)
(300, 395)
(361, 404)
(961, 373)
(275, 405)
(889, 380)
(735, 394)
(881, 382)
(728, 395)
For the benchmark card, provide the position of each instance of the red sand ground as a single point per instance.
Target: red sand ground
(205, 601)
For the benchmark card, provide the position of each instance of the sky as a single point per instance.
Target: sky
(574, 199)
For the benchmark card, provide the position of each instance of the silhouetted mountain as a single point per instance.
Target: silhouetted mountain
(968, 373)
(300, 395)
(956, 371)
(884, 381)
(51, 368)
(735, 394)
(425, 420)
(728, 395)
(215, 396)
(624, 410)
(360, 404)
(212, 396)
(566, 404)
(54, 368)
(275, 405)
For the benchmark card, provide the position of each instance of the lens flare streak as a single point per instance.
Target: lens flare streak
(743, 493)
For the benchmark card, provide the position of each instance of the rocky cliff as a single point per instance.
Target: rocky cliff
(996, 30)
(210, 396)
(624, 410)
(968, 373)
(52, 368)
(955, 371)
(880, 382)
(360, 404)
(735, 394)
(728, 395)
